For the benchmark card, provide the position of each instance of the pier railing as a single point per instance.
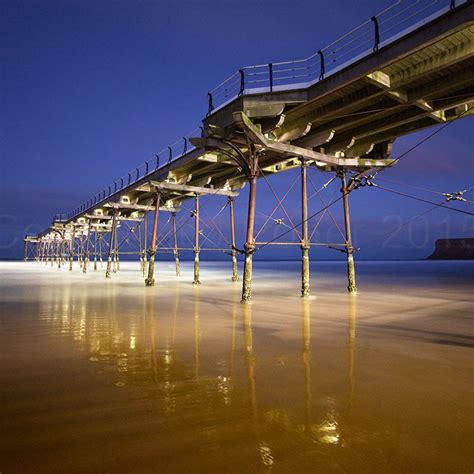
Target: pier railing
(381, 29)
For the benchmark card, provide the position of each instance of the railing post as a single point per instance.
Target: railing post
(322, 67)
(376, 34)
(242, 82)
(210, 104)
(270, 74)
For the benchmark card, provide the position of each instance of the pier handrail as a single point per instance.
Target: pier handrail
(381, 29)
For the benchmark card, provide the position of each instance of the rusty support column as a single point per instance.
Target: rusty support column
(145, 241)
(95, 249)
(175, 243)
(235, 273)
(351, 283)
(116, 266)
(111, 244)
(80, 257)
(249, 241)
(53, 250)
(196, 243)
(87, 253)
(59, 250)
(63, 247)
(304, 237)
(150, 281)
(71, 250)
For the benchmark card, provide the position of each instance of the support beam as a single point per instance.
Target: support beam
(111, 244)
(95, 250)
(304, 237)
(184, 188)
(71, 251)
(351, 282)
(235, 273)
(150, 280)
(175, 243)
(145, 243)
(86, 252)
(196, 243)
(249, 241)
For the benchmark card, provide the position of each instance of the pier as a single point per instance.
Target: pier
(337, 112)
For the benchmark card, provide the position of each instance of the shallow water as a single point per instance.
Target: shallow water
(110, 376)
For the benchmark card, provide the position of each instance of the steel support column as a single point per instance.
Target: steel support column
(86, 252)
(235, 273)
(351, 282)
(25, 258)
(53, 251)
(150, 280)
(175, 243)
(71, 250)
(95, 250)
(111, 244)
(196, 242)
(304, 237)
(249, 241)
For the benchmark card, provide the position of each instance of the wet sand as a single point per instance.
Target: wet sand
(110, 376)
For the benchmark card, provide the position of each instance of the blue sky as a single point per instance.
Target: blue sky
(89, 90)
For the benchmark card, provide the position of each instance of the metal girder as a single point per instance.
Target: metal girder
(137, 207)
(184, 188)
(320, 159)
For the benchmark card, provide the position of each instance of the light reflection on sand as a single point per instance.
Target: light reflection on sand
(113, 376)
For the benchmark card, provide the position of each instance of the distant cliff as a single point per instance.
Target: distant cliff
(452, 249)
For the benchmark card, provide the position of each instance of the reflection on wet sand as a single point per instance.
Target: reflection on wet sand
(203, 380)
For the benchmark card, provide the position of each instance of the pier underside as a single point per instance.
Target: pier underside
(344, 125)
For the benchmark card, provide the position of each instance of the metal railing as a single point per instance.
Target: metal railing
(160, 161)
(381, 29)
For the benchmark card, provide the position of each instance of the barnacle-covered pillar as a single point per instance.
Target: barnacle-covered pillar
(116, 266)
(249, 241)
(112, 243)
(60, 249)
(86, 252)
(235, 273)
(175, 243)
(351, 282)
(196, 242)
(304, 237)
(150, 280)
(71, 250)
(54, 250)
(95, 249)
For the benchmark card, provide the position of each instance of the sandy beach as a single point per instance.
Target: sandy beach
(110, 376)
